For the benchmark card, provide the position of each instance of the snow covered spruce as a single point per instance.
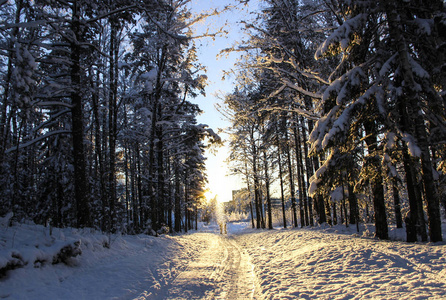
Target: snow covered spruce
(340, 112)
(97, 127)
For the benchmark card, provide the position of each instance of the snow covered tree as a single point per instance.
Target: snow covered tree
(372, 88)
(81, 96)
(369, 119)
(418, 101)
(282, 51)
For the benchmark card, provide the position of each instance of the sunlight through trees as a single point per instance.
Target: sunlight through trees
(337, 114)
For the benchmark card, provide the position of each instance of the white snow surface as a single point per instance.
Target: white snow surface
(313, 263)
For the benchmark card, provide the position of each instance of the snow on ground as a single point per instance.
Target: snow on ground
(130, 267)
(317, 263)
(325, 264)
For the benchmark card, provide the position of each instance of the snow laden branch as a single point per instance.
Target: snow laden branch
(37, 23)
(301, 90)
(334, 122)
(38, 139)
(318, 175)
(342, 37)
(304, 112)
(24, 24)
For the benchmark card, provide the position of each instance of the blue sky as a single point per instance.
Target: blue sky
(219, 182)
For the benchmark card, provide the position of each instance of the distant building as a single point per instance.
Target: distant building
(239, 202)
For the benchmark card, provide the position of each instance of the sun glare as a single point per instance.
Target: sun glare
(209, 195)
(219, 184)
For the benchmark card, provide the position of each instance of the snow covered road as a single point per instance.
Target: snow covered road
(221, 271)
(319, 263)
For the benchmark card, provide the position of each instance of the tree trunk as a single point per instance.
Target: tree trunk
(133, 183)
(321, 207)
(127, 189)
(396, 204)
(252, 213)
(303, 215)
(415, 225)
(256, 182)
(379, 205)
(262, 207)
(169, 194)
(177, 198)
(112, 123)
(4, 127)
(353, 204)
(335, 214)
(290, 174)
(249, 194)
(151, 167)
(99, 153)
(268, 196)
(160, 170)
(143, 217)
(282, 196)
(308, 169)
(80, 176)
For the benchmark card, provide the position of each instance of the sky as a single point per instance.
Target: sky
(220, 183)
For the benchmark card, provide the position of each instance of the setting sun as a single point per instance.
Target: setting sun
(209, 195)
(221, 185)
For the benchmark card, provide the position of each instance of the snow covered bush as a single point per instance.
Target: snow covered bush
(34, 246)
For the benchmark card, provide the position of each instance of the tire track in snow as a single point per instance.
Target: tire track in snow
(222, 270)
(198, 278)
(238, 277)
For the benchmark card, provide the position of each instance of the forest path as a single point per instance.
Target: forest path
(221, 270)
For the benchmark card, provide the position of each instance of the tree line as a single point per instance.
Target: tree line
(96, 126)
(341, 104)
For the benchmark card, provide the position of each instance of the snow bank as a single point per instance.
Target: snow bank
(110, 266)
(337, 263)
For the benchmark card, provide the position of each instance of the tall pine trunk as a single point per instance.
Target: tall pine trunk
(376, 182)
(160, 169)
(397, 204)
(415, 224)
(177, 197)
(112, 123)
(308, 171)
(268, 196)
(319, 199)
(282, 195)
(80, 177)
(353, 204)
(256, 183)
(249, 195)
(303, 215)
(292, 192)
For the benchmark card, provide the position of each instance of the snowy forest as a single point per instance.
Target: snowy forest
(341, 103)
(96, 126)
(336, 135)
